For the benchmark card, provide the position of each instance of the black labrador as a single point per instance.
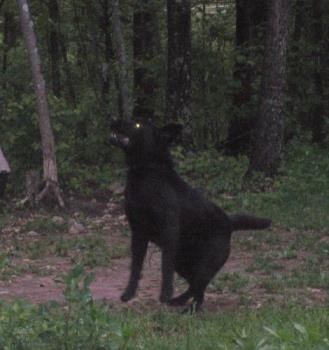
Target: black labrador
(193, 233)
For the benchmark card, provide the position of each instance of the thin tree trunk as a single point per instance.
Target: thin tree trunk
(4, 165)
(8, 40)
(47, 138)
(104, 24)
(122, 60)
(1, 3)
(179, 60)
(68, 75)
(54, 47)
(143, 49)
(268, 135)
(4, 171)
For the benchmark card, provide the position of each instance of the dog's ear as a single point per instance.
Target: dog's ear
(171, 132)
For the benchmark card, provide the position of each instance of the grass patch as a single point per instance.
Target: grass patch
(300, 194)
(89, 251)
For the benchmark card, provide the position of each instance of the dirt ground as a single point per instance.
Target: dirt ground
(43, 282)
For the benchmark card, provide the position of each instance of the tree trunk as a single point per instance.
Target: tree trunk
(4, 171)
(268, 134)
(318, 110)
(295, 86)
(9, 33)
(54, 46)
(250, 19)
(68, 75)
(104, 24)
(47, 138)
(122, 60)
(179, 60)
(143, 49)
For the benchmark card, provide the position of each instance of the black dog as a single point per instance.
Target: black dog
(193, 233)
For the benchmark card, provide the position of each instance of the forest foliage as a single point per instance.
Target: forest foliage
(75, 39)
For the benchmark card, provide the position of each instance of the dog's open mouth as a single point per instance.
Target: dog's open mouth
(118, 139)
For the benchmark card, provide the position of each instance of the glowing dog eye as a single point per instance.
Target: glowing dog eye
(137, 125)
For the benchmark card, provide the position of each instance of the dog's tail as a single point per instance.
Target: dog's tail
(248, 222)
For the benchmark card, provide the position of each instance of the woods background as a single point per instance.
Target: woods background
(246, 78)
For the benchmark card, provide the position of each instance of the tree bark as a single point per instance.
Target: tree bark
(122, 60)
(268, 134)
(318, 109)
(143, 50)
(47, 138)
(179, 60)
(4, 172)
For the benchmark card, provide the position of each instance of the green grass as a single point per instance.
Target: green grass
(266, 263)
(82, 323)
(234, 282)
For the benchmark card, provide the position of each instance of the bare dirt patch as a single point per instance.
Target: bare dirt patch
(257, 272)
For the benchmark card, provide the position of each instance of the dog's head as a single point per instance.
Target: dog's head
(142, 141)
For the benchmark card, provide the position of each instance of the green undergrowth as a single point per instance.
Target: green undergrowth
(298, 197)
(82, 323)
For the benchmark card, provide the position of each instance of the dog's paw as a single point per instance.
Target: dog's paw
(177, 301)
(126, 296)
(164, 299)
(166, 296)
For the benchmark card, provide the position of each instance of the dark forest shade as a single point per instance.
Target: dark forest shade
(250, 22)
(143, 51)
(179, 60)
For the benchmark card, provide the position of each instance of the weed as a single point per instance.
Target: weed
(264, 262)
(232, 281)
(45, 225)
(7, 269)
(322, 248)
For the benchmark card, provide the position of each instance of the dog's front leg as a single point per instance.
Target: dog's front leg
(167, 269)
(138, 251)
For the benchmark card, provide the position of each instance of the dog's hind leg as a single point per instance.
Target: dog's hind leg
(138, 250)
(215, 254)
